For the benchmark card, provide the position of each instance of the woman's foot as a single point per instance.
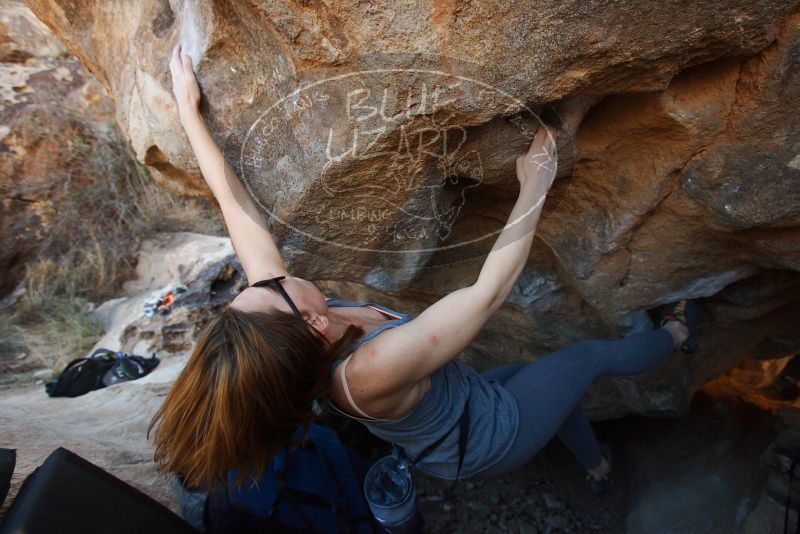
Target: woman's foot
(598, 477)
(680, 320)
(679, 331)
(602, 470)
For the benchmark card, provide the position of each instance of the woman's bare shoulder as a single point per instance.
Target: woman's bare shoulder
(370, 386)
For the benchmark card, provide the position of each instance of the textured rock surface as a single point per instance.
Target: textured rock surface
(49, 110)
(678, 143)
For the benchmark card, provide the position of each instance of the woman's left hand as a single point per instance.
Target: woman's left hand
(184, 82)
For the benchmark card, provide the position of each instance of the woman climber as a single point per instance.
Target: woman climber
(281, 352)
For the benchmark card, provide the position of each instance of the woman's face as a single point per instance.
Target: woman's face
(305, 295)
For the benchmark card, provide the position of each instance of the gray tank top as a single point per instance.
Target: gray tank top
(493, 413)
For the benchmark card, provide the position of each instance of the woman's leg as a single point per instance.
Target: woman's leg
(549, 390)
(504, 372)
(577, 434)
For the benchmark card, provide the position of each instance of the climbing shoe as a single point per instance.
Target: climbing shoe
(684, 311)
(601, 486)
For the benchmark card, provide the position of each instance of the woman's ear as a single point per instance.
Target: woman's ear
(320, 322)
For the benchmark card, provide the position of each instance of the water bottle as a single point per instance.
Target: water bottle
(389, 490)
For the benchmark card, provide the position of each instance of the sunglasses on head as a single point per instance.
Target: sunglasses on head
(275, 283)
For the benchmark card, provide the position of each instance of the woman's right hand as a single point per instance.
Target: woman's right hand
(540, 163)
(184, 82)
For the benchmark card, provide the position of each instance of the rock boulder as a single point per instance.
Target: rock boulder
(380, 143)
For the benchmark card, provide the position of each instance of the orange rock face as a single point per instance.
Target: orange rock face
(381, 142)
(49, 109)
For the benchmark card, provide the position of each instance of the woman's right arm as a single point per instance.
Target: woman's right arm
(395, 362)
(248, 230)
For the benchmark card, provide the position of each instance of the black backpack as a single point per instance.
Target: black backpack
(83, 375)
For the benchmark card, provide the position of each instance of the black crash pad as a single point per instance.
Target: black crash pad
(67, 494)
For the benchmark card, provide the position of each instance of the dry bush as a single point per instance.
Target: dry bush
(107, 203)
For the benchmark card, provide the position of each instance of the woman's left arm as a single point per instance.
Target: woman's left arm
(249, 234)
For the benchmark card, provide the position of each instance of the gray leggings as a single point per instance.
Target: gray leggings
(549, 390)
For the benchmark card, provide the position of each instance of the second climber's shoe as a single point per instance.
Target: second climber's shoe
(684, 311)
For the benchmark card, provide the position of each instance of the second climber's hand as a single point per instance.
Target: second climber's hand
(538, 166)
(184, 82)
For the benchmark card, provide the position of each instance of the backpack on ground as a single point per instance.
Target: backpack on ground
(104, 367)
(316, 487)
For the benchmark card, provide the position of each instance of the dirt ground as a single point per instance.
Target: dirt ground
(550, 494)
(698, 473)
